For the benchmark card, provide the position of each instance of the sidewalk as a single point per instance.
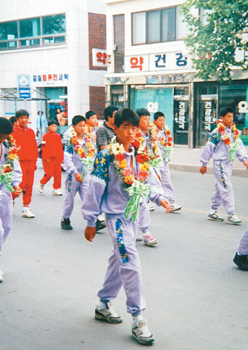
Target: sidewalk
(185, 159)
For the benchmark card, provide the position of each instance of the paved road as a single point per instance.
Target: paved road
(196, 297)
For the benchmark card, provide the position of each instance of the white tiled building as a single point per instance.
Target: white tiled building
(48, 43)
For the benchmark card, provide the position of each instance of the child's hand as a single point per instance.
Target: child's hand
(78, 177)
(166, 205)
(203, 170)
(17, 191)
(90, 233)
(245, 162)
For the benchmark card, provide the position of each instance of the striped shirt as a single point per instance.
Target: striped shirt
(104, 135)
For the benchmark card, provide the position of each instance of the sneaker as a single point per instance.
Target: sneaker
(100, 225)
(101, 218)
(40, 188)
(66, 224)
(141, 333)
(234, 220)
(151, 207)
(57, 192)
(149, 240)
(139, 238)
(1, 276)
(241, 261)
(26, 213)
(107, 314)
(215, 217)
(175, 207)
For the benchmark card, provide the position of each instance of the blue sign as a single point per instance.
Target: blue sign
(24, 86)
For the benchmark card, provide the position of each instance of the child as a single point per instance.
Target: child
(11, 177)
(105, 133)
(13, 121)
(91, 120)
(77, 162)
(118, 172)
(165, 148)
(28, 154)
(223, 145)
(52, 155)
(241, 257)
(143, 136)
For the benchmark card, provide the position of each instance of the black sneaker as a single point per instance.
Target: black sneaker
(100, 225)
(66, 224)
(241, 261)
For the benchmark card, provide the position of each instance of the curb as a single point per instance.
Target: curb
(190, 168)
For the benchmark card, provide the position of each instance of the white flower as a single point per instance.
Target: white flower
(116, 148)
(72, 133)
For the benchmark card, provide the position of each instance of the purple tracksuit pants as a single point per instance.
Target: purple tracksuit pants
(243, 244)
(123, 265)
(166, 181)
(6, 210)
(223, 191)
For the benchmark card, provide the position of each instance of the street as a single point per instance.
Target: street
(196, 297)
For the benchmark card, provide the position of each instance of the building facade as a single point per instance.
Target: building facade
(149, 66)
(52, 57)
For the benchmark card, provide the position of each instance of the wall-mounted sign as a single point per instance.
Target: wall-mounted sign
(24, 86)
(52, 77)
(156, 62)
(99, 58)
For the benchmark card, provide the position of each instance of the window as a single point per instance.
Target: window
(158, 26)
(32, 32)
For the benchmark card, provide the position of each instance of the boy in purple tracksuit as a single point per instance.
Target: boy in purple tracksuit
(222, 146)
(241, 256)
(10, 178)
(107, 193)
(74, 167)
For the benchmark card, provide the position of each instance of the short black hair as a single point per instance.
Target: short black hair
(89, 114)
(142, 111)
(126, 115)
(6, 126)
(77, 119)
(21, 112)
(157, 115)
(225, 110)
(52, 122)
(13, 120)
(108, 112)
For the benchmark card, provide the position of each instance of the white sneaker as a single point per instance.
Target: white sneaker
(139, 238)
(175, 207)
(107, 314)
(151, 207)
(57, 192)
(149, 240)
(40, 188)
(101, 218)
(234, 220)
(141, 333)
(1, 276)
(26, 213)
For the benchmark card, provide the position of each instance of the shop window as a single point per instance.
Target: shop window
(158, 26)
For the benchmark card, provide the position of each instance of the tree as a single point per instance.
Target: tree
(215, 37)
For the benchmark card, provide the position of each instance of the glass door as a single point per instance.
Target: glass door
(181, 119)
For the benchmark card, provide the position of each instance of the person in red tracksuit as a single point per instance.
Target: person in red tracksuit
(52, 155)
(28, 154)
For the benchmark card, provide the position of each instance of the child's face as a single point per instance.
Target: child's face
(53, 128)
(227, 120)
(160, 122)
(92, 121)
(125, 133)
(144, 123)
(3, 137)
(79, 128)
(23, 121)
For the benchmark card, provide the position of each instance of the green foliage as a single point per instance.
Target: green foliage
(212, 43)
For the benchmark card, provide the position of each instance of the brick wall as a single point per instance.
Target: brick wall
(97, 100)
(97, 35)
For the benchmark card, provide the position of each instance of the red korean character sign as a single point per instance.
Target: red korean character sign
(99, 58)
(136, 63)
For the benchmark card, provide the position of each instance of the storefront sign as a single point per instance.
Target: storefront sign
(181, 122)
(99, 58)
(209, 117)
(24, 86)
(156, 62)
(243, 107)
(152, 107)
(52, 77)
